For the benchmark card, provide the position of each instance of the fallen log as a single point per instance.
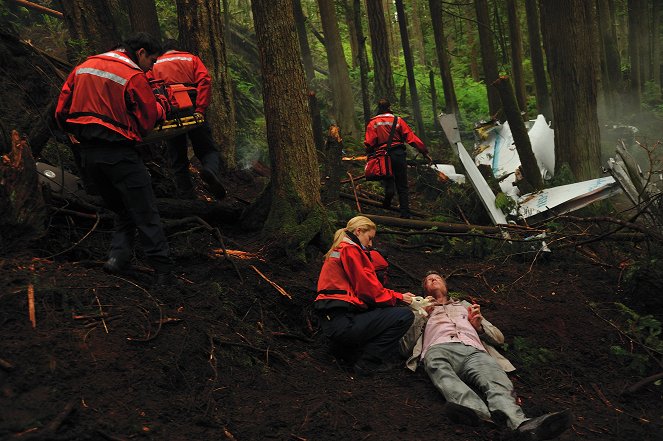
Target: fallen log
(440, 226)
(376, 203)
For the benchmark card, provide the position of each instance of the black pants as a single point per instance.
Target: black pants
(398, 183)
(375, 333)
(125, 185)
(203, 147)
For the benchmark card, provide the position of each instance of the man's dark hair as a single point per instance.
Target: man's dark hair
(170, 44)
(141, 40)
(384, 106)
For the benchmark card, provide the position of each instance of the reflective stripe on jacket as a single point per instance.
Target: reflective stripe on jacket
(348, 275)
(377, 133)
(179, 67)
(112, 91)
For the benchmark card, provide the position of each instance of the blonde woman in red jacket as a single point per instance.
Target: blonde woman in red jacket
(358, 315)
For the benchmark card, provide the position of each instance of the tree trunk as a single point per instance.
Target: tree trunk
(143, 17)
(610, 60)
(22, 208)
(389, 26)
(296, 214)
(383, 78)
(350, 22)
(515, 36)
(528, 165)
(450, 101)
(417, 34)
(201, 32)
(409, 67)
(91, 28)
(634, 49)
(543, 105)
(300, 21)
(331, 180)
(339, 77)
(488, 56)
(572, 64)
(656, 44)
(363, 61)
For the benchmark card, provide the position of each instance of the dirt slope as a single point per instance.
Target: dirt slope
(222, 354)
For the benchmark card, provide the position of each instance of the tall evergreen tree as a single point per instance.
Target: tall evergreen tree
(573, 60)
(488, 56)
(450, 101)
(339, 76)
(409, 66)
(91, 28)
(201, 32)
(143, 16)
(295, 214)
(543, 105)
(383, 78)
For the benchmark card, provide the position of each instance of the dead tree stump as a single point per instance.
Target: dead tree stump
(22, 208)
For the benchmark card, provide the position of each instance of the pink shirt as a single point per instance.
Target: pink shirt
(449, 324)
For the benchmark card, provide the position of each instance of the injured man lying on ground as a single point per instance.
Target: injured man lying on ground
(456, 347)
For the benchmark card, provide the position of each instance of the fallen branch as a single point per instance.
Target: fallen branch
(278, 288)
(49, 430)
(215, 232)
(277, 355)
(354, 189)
(640, 384)
(4, 364)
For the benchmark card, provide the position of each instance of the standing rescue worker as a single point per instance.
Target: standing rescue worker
(357, 313)
(377, 137)
(179, 67)
(107, 106)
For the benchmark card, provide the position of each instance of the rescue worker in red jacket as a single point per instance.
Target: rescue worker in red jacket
(179, 67)
(107, 106)
(377, 137)
(357, 313)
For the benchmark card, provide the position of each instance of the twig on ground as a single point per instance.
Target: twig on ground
(94, 227)
(354, 189)
(278, 288)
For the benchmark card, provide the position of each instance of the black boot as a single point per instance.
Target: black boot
(546, 426)
(213, 183)
(115, 265)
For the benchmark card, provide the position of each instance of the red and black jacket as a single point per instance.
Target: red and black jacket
(179, 67)
(112, 91)
(377, 134)
(347, 279)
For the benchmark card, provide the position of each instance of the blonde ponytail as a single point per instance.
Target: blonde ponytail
(358, 222)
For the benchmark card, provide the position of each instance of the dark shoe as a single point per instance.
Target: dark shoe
(547, 426)
(115, 265)
(460, 414)
(215, 186)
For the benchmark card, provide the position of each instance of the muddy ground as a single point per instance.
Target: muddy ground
(225, 354)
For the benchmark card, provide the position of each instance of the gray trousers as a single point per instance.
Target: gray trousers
(454, 368)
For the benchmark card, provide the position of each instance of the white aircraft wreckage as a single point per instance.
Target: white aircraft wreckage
(497, 151)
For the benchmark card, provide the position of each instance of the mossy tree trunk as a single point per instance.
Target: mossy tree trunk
(296, 215)
(91, 28)
(201, 32)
